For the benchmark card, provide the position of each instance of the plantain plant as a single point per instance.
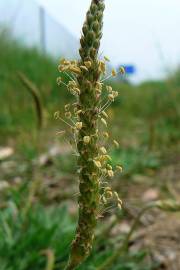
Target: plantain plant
(86, 119)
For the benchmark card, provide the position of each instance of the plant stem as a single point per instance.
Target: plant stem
(89, 185)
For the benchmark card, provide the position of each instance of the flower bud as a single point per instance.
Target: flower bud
(93, 8)
(95, 26)
(96, 44)
(85, 29)
(90, 37)
(93, 52)
(90, 18)
(82, 42)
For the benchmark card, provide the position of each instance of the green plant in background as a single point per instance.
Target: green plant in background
(30, 234)
(33, 90)
(84, 118)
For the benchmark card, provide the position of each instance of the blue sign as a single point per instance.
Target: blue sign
(130, 69)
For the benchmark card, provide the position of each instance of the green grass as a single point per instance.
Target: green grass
(24, 238)
(17, 108)
(27, 230)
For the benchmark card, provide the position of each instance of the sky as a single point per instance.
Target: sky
(140, 32)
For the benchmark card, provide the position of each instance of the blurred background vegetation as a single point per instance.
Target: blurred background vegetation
(38, 181)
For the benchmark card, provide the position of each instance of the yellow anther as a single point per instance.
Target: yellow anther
(116, 195)
(56, 115)
(86, 139)
(73, 129)
(105, 134)
(101, 158)
(107, 188)
(78, 125)
(78, 112)
(104, 171)
(107, 157)
(109, 194)
(59, 80)
(102, 66)
(60, 69)
(120, 201)
(62, 61)
(63, 68)
(119, 168)
(122, 70)
(109, 88)
(77, 91)
(116, 143)
(115, 93)
(67, 107)
(97, 163)
(104, 200)
(103, 150)
(111, 97)
(74, 62)
(74, 69)
(84, 68)
(113, 72)
(104, 121)
(104, 114)
(106, 59)
(88, 64)
(110, 173)
(72, 84)
(98, 91)
(66, 62)
(99, 85)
